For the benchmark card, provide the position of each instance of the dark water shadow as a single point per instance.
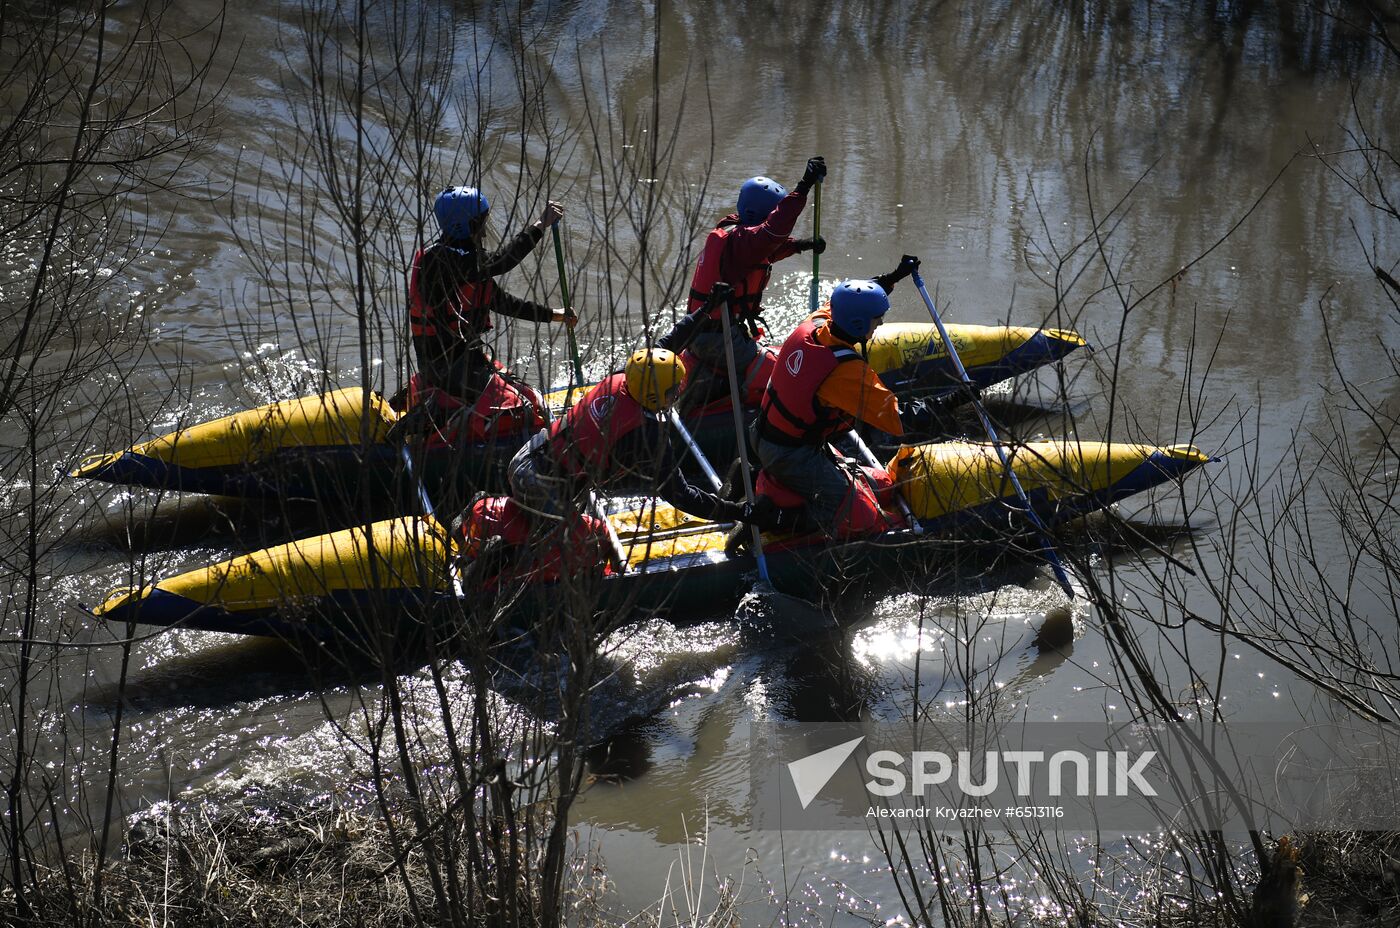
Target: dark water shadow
(187, 521)
(1116, 538)
(253, 668)
(818, 678)
(624, 753)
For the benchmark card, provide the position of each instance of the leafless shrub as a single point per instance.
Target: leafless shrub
(95, 120)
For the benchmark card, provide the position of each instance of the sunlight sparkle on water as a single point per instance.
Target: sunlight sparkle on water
(889, 643)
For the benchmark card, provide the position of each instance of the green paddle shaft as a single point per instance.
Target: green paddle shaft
(816, 257)
(568, 307)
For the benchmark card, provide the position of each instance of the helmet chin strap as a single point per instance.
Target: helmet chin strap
(475, 234)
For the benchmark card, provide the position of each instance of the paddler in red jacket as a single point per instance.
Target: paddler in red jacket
(741, 251)
(821, 386)
(451, 294)
(616, 427)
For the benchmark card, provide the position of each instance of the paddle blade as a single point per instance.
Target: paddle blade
(765, 607)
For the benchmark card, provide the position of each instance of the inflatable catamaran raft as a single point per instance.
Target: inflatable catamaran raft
(328, 447)
(336, 584)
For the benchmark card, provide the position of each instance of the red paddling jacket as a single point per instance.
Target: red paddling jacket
(743, 257)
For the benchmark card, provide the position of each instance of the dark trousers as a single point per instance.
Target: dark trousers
(463, 371)
(710, 379)
(809, 471)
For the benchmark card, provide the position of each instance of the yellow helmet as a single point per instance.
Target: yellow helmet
(655, 377)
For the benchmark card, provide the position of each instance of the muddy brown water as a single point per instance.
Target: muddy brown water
(983, 138)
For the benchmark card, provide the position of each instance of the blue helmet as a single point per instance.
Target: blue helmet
(757, 198)
(457, 208)
(857, 306)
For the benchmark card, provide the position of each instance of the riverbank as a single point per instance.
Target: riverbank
(285, 858)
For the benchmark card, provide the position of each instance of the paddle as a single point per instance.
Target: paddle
(816, 255)
(577, 380)
(594, 505)
(1045, 547)
(423, 499)
(795, 612)
(736, 403)
(429, 510)
(694, 447)
(596, 510)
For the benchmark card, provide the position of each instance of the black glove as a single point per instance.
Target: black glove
(684, 331)
(726, 511)
(765, 514)
(926, 417)
(817, 244)
(762, 513)
(907, 265)
(719, 293)
(816, 171)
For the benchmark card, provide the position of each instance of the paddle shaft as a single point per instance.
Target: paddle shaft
(1045, 547)
(694, 448)
(577, 380)
(596, 510)
(426, 501)
(869, 457)
(680, 531)
(738, 406)
(816, 256)
(423, 499)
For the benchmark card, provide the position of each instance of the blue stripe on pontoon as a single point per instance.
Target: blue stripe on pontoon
(1037, 351)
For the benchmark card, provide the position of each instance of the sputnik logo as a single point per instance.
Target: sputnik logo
(811, 773)
(794, 362)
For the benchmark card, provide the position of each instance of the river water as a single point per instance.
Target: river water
(984, 138)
